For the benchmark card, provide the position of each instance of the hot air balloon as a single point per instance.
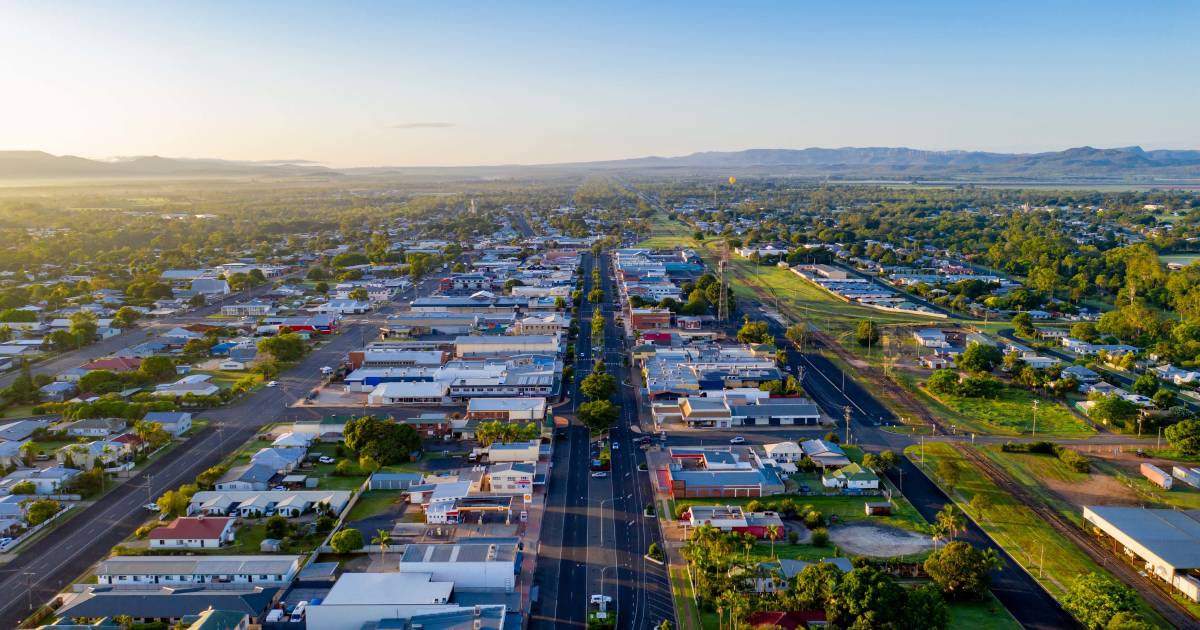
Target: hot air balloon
(732, 180)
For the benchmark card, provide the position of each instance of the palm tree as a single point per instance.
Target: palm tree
(384, 539)
(950, 521)
(773, 532)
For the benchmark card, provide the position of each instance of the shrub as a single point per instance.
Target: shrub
(813, 519)
(820, 537)
(793, 536)
(655, 552)
(346, 541)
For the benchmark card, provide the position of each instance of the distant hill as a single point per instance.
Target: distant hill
(1081, 164)
(1125, 163)
(41, 165)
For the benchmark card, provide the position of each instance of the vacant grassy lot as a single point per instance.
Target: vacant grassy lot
(1180, 496)
(373, 502)
(1010, 413)
(1016, 528)
(667, 234)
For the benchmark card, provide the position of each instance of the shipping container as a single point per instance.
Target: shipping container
(1157, 476)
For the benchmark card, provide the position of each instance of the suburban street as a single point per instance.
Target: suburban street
(52, 562)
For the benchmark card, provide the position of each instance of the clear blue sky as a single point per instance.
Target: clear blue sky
(492, 83)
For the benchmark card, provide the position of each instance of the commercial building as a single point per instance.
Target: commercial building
(467, 565)
(510, 409)
(358, 599)
(1167, 541)
(484, 346)
(266, 570)
(718, 471)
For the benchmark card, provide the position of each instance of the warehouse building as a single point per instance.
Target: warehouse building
(1168, 541)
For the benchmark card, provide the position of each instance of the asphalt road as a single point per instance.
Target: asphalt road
(49, 564)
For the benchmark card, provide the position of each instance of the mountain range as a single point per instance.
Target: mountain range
(1123, 164)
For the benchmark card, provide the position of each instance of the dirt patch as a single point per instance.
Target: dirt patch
(1098, 489)
(879, 541)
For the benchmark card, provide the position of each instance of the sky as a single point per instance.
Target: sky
(465, 83)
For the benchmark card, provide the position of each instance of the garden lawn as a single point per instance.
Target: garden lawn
(988, 614)
(847, 509)
(373, 502)
(1010, 413)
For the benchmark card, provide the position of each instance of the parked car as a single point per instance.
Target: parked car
(272, 383)
(153, 507)
(327, 370)
(737, 439)
(598, 599)
(616, 446)
(599, 474)
(325, 459)
(41, 457)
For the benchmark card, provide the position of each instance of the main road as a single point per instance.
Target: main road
(57, 559)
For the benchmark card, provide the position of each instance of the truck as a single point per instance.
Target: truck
(1157, 476)
(1190, 476)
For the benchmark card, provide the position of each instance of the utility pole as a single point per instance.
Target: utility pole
(29, 590)
(1035, 408)
(846, 412)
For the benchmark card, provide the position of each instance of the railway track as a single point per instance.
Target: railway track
(1151, 590)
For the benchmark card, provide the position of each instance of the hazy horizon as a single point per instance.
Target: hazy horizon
(369, 84)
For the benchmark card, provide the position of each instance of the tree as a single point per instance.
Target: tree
(210, 476)
(1146, 385)
(888, 460)
(383, 441)
(753, 332)
(961, 570)
(1164, 398)
(29, 450)
(981, 503)
(173, 502)
(1085, 331)
(867, 333)
(23, 487)
(926, 608)
(83, 328)
(359, 293)
(867, 598)
(346, 541)
(773, 533)
(950, 471)
(949, 521)
(155, 369)
(1128, 621)
(1095, 600)
(1023, 324)
(126, 317)
(384, 539)
(277, 527)
(40, 510)
(286, 347)
(1112, 409)
(797, 334)
(1184, 436)
(598, 386)
(943, 382)
(980, 358)
(598, 415)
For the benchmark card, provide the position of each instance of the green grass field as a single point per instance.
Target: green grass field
(988, 614)
(1010, 413)
(667, 234)
(1026, 537)
(373, 502)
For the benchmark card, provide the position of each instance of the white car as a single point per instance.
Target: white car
(272, 383)
(737, 439)
(598, 599)
(325, 459)
(599, 474)
(153, 507)
(327, 370)
(616, 446)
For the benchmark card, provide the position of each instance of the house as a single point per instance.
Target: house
(96, 427)
(23, 429)
(247, 477)
(174, 422)
(291, 439)
(183, 387)
(57, 391)
(824, 453)
(45, 480)
(394, 481)
(1081, 374)
(937, 361)
(119, 365)
(253, 308)
(852, 478)
(86, 456)
(282, 460)
(781, 452)
(491, 565)
(187, 532)
(531, 409)
(71, 375)
(247, 503)
(231, 365)
(429, 424)
(510, 478)
(184, 570)
(344, 307)
(210, 286)
(931, 338)
(10, 453)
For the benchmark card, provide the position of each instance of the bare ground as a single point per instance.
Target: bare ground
(1099, 489)
(878, 541)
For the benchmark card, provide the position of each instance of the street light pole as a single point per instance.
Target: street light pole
(1035, 408)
